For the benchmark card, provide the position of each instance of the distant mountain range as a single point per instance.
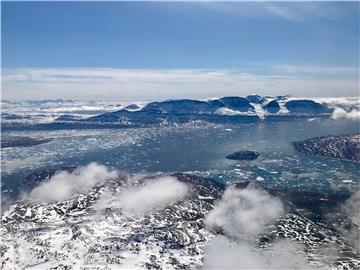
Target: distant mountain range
(229, 109)
(225, 109)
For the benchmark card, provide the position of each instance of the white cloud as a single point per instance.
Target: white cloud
(243, 213)
(318, 70)
(340, 101)
(304, 11)
(145, 84)
(352, 208)
(64, 185)
(221, 254)
(154, 194)
(284, 11)
(339, 113)
(293, 11)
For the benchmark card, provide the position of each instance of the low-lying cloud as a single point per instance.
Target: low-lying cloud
(141, 199)
(339, 113)
(244, 213)
(64, 185)
(153, 195)
(221, 254)
(149, 84)
(352, 209)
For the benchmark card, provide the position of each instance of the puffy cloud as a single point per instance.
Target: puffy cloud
(64, 185)
(339, 113)
(154, 194)
(244, 213)
(352, 208)
(6, 202)
(221, 254)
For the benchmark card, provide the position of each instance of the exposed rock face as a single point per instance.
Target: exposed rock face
(243, 155)
(215, 103)
(344, 147)
(306, 106)
(35, 178)
(237, 103)
(271, 106)
(17, 141)
(256, 99)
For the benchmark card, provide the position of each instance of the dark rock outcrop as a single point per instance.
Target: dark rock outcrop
(344, 146)
(237, 103)
(37, 177)
(19, 141)
(67, 118)
(243, 155)
(306, 106)
(256, 99)
(183, 106)
(271, 106)
(132, 107)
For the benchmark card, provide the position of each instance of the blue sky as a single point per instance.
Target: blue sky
(143, 50)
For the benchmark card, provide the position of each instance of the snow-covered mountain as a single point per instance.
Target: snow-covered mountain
(226, 109)
(93, 230)
(230, 109)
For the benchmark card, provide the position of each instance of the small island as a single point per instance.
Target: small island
(243, 155)
(21, 141)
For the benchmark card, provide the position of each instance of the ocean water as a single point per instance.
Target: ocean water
(193, 149)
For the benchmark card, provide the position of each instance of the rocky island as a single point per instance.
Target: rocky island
(16, 141)
(344, 146)
(243, 155)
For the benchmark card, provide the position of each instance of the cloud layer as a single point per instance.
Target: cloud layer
(244, 213)
(154, 194)
(64, 185)
(140, 199)
(339, 113)
(352, 208)
(144, 84)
